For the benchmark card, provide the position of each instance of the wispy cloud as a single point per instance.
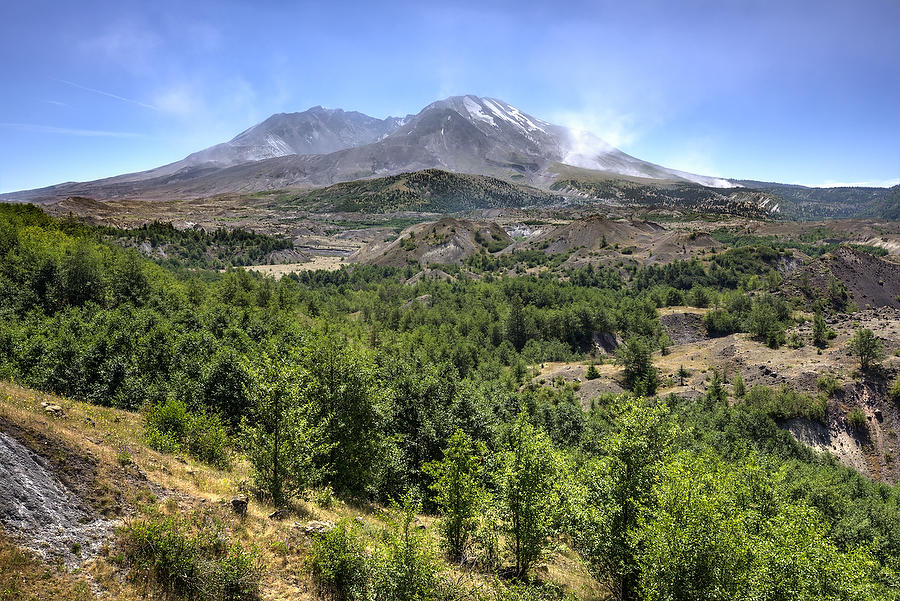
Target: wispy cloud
(69, 131)
(56, 102)
(885, 183)
(617, 129)
(109, 94)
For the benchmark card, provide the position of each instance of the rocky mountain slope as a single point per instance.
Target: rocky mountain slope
(848, 275)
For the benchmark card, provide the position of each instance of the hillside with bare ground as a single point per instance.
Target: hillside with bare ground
(872, 449)
(448, 241)
(867, 280)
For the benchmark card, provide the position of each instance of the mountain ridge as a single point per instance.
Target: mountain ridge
(317, 147)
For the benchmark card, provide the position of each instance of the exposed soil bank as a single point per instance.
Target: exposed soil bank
(40, 512)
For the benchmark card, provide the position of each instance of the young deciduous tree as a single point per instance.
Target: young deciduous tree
(344, 403)
(459, 492)
(528, 492)
(618, 490)
(280, 442)
(866, 346)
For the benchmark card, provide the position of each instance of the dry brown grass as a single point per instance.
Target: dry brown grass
(179, 484)
(25, 577)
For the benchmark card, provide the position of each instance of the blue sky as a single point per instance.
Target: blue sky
(789, 91)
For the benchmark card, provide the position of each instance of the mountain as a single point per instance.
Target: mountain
(320, 147)
(314, 131)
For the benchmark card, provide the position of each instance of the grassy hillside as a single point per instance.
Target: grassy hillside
(431, 190)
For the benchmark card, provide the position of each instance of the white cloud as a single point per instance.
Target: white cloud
(179, 100)
(617, 129)
(886, 183)
(125, 44)
(694, 155)
(69, 131)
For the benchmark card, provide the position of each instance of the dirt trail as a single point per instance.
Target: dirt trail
(42, 514)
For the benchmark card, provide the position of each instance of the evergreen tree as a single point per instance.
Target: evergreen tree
(820, 332)
(640, 375)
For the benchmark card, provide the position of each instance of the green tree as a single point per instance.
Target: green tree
(617, 492)
(81, 275)
(820, 331)
(459, 492)
(692, 545)
(764, 322)
(130, 282)
(344, 404)
(528, 492)
(636, 357)
(224, 381)
(739, 387)
(592, 373)
(715, 392)
(867, 348)
(280, 442)
(516, 325)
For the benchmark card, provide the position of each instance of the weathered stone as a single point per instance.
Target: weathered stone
(278, 514)
(54, 410)
(316, 527)
(239, 505)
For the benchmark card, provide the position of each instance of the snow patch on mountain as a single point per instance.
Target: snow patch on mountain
(476, 111)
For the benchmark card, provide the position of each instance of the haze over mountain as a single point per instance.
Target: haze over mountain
(318, 147)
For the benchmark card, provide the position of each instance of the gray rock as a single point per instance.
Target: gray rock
(239, 505)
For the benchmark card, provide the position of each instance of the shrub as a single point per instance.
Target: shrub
(190, 557)
(339, 563)
(206, 439)
(739, 387)
(406, 567)
(721, 322)
(866, 346)
(592, 373)
(169, 418)
(828, 384)
(856, 419)
(170, 427)
(785, 403)
(894, 392)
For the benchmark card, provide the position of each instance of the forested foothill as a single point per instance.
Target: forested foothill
(417, 405)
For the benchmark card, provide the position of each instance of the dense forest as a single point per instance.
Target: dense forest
(420, 396)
